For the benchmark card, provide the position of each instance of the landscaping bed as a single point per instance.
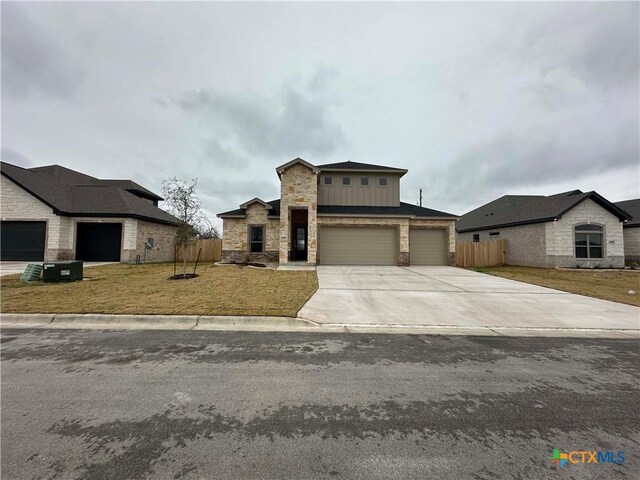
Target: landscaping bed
(146, 289)
(613, 285)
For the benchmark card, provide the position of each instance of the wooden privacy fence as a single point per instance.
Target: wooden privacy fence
(211, 250)
(481, 254)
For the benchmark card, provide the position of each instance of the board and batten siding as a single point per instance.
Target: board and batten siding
(356, 194)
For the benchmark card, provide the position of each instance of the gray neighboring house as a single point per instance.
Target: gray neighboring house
(54, 213)
(569, 229)
(631, 230)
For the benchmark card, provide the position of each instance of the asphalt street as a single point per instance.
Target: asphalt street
(241, 405)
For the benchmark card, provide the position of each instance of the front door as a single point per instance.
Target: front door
(300, 246)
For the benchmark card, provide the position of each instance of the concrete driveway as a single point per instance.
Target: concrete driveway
(10, 268)
(448, 296)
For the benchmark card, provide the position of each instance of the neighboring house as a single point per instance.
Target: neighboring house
(570, 229)
(631, 230)
(345, 213)
(54, 213)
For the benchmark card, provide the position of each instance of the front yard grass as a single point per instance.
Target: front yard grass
(611, 285)
(145, 289)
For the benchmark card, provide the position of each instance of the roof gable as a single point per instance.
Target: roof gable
(256, 200)
(273, 211)
(296, 161)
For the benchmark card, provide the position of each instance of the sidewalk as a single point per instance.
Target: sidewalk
(283, 324)
(12, 268)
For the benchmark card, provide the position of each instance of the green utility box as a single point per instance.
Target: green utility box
(65, 271)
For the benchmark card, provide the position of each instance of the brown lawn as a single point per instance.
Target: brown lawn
(611, 285)
(145, 289)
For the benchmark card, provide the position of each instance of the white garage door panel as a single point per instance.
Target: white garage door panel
(357, 246)
(428, 247)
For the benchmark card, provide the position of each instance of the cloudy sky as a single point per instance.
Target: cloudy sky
(476, 100)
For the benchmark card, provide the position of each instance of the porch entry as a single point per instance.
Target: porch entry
(299, 234)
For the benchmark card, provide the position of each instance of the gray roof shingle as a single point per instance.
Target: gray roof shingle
(358, 166)
(404, 210)
(512, 210)
(632, 207)
(73, 193)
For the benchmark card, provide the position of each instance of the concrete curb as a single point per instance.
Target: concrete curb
(130, 322)
(282, 324)
(28, 320)
(261, 324)
(492, 331)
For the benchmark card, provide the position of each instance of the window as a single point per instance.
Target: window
(476, 237)
(494, 234)
(256, 238)
(382, 181)
(328, 180)
(346, 181)
(364, 181)
(588, 241)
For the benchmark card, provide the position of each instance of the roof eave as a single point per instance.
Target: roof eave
(385, 215)
(509, 224)
(117, 215)
(401, 171)
(146, 195)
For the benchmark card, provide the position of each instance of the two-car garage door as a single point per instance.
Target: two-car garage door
(357, 246)
(378, 246)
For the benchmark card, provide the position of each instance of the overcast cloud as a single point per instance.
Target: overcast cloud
(476, 100)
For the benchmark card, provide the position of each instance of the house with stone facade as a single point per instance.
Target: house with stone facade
(570, 229)
(631, 231)
(55, 213)
(346, 213)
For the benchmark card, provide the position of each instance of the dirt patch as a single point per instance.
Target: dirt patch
(185, 276)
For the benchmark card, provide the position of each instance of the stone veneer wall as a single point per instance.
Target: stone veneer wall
(164, 241)
(560, 240)
(298, 189)
(235, 238)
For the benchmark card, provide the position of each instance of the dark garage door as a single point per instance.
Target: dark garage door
(23, 241)
(98, 242)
